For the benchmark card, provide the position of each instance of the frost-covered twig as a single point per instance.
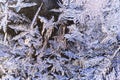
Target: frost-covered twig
(35, 17)
(115, 53)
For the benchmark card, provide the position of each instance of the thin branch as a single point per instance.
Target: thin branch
(35, 17)
(5, 38)
(115, 53)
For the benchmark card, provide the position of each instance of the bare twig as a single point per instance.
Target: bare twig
(35, 17)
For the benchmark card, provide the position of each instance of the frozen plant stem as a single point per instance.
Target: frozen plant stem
(115, 53)
(5, 37)
(68, 3)
(35, 17)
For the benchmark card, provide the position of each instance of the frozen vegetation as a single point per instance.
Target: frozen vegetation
(83, 44)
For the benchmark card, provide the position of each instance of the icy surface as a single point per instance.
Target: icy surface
(84, 44)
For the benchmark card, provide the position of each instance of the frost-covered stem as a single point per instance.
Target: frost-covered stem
(68, 3)
(5, 37)
(5, 21)
(35, 17)
(115, 53)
